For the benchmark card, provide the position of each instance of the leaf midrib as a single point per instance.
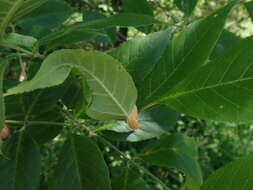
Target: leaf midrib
(181, 62)
(184, 93)
(106, 89)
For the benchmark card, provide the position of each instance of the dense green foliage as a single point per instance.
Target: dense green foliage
(126, 94)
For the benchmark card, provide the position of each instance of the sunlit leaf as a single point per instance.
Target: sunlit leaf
(236, 175)
(223, 88)
(140, 55)
(187, 52)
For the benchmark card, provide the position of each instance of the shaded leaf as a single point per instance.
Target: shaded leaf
(249, 7)
(21, 169)
(111, 32)
(41, 20)
(175, 151)
(7, 10)
(27, 7)
(227, 40)
(142, 7)
(124, 19)
(223, 88)
(236, 175)
(39, 105)
(113, 90)
(187, 6)
(76, 36)
(81, 166)
(128, 179)
(187, 52)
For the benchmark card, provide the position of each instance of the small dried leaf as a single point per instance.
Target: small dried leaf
(5, 132)
(132, 120)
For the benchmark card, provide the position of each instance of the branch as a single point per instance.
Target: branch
(105, 141)
(133, 163)
(26, 53)
(22, 123)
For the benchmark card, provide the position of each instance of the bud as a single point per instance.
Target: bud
(132, 120)
(5, 132)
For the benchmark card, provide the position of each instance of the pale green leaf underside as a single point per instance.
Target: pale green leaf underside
(221, 90)
(113, 90)
(235, 176)
(187, 52)
(7, 11)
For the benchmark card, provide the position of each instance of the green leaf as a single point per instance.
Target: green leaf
(135, 54)
(93, 15)
(223, 88)
(43, 19)
(27, 7)
(78, 97)
(236, 175)
(128, 179)
(7, 10)
(77, 36)
(142, 7)
(124, 19)
(113, 90)
(22, 41)
(21, 168)
(187, 52)
(175, 151)
(81, 166)
(249, 7)
(187, 6)
(191, 185)
(227, 40)
(39, 105)
(153, 122)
